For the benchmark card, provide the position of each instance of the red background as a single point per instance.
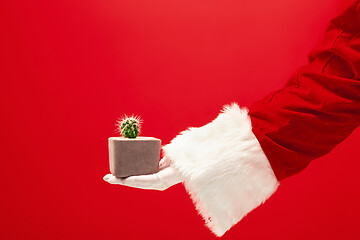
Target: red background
(69, 69)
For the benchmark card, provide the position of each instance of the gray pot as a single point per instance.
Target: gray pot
(134, 156)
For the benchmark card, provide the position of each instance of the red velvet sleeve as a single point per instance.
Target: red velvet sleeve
(320, 104)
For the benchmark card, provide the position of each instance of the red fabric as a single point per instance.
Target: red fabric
(320, 104)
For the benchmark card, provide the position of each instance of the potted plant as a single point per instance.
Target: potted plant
(130, 154)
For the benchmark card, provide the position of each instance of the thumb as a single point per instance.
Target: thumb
(164, 162)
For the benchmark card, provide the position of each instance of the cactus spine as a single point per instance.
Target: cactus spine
(129, 127)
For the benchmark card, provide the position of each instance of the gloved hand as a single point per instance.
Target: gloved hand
(166, 177)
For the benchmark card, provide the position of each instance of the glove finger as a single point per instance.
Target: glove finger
(150, 181)
(107, 177)
(164, 162)
(114, 180)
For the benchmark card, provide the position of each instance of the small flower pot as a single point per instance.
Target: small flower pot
(134, 156)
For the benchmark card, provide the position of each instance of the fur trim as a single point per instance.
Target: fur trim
(225, 171)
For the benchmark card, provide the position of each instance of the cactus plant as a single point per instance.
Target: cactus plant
(129, 127)
(131, 155)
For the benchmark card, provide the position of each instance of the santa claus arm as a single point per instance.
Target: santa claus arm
(234, 163)
(320, 104)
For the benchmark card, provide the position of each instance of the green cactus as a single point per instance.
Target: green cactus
(129, 127)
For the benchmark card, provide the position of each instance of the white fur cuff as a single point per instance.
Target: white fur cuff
(225, 171)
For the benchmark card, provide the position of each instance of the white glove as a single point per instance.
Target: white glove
(166, 177)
